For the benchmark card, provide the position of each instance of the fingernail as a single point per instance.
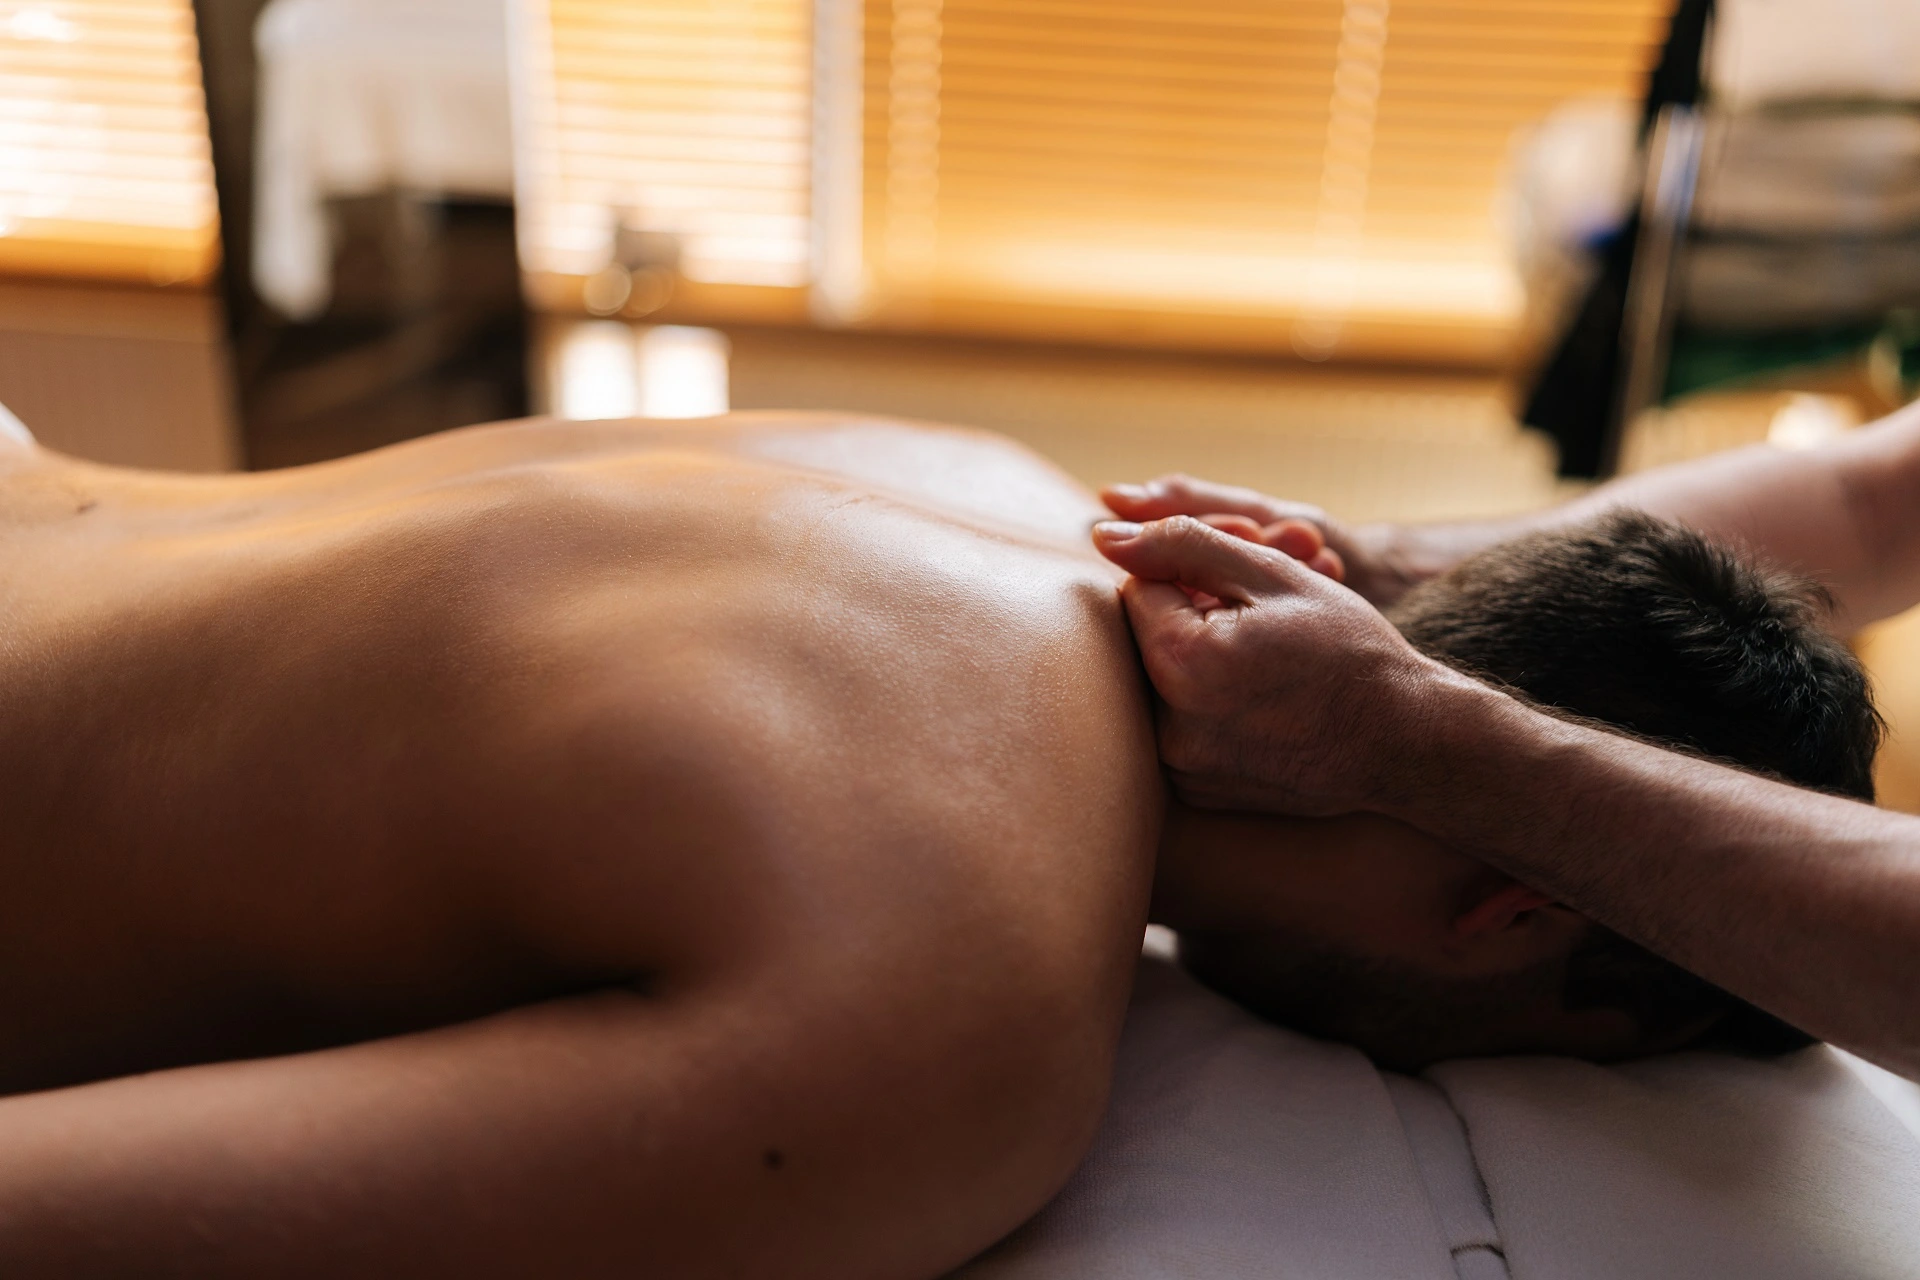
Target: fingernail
(1137, 492)
(1117, 530)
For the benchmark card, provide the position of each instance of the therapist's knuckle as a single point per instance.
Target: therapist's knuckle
(1184, 534)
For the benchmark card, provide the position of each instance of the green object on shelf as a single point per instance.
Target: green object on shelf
(1700, 359)
(1893, 361)
(1889, 349)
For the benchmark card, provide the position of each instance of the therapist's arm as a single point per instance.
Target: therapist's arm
(1294, 695)
(1805, 904)
(1847, 514)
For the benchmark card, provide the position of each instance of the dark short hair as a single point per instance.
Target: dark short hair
(1656, 630)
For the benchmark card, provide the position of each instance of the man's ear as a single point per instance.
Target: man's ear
(1498, 911)
(1503, 927)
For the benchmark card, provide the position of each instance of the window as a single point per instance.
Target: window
(688, 119)
(1314, 174)
(105, 169)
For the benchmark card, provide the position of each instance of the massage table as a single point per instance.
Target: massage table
(1233, 1149)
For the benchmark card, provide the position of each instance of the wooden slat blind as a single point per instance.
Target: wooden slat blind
(105, 168)
(690, 117)
(1313, 174)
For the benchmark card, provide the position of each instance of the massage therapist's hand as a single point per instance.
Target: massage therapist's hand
(1359, 556)
(1279, 689)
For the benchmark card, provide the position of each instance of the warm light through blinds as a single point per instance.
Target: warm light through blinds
(688, 117)
(105, 168)
(1320, 175)
(1317, 174)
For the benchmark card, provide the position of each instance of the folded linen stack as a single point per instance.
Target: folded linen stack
(1807, 213)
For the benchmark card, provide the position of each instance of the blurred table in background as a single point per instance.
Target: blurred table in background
(361, 97)
(365, 163)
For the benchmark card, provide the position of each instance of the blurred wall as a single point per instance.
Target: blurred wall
(1891, 652)
(1365, 443)
(129, 377)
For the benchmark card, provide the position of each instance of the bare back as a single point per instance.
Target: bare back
(813, 718)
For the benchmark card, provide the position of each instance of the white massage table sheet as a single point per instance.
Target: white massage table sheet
(1233, 1150)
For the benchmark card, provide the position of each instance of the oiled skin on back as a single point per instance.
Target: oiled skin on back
(760, 809)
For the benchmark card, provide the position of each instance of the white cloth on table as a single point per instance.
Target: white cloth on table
(360, 96)
(1842, 174)
(1234, 1150)
(1804, 220)
(1696, 1165)
(1771, 51)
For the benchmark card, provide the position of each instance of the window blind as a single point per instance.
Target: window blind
(689, 119)
(1314, 175)
(105, 168)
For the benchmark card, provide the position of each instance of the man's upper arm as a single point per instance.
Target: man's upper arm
(605, 1134)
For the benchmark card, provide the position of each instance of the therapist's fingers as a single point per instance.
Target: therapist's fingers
(1306, 543)
(1328, 564)
(1196, 556)
(1184, 495)
(1302, 540)
(1297, 538)
(1244, 527)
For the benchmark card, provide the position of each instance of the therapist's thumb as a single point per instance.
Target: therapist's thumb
(1193, 554)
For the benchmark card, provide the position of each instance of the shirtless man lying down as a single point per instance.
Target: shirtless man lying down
(560, 850)
(573, 849)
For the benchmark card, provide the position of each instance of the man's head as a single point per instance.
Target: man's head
(1362, 929)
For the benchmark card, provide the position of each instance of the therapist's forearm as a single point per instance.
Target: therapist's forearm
(1847, 514)
(1804, 904)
